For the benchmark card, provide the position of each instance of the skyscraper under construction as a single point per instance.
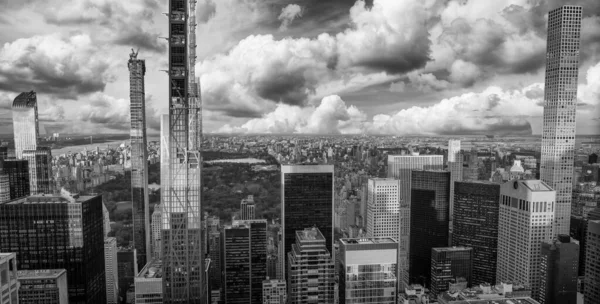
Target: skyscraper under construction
(183, 259)
(139, 160)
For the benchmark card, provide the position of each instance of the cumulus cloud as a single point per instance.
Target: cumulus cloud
(288, 14)
(54, 64)
(107, 111)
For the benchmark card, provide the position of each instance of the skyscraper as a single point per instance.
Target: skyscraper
(25, 122)
(18, 177)
(156, 235)
(126, 270)
(525, 221)
(560, 102)
(183, 259)
(247, 208)
(450, 264)
(139, 160)
(307, 201)
(148, 284)
(367, 270)
(477, 204)
(455, 166)
(40, 170)
(400, 167)
(383, 208)
(59, 232)
(4, 183)
(111, 270)
(311, 270)
(430, 190)
(558, 271)
(591, 292)
(274, 292)
(48, 286)
(9, 286)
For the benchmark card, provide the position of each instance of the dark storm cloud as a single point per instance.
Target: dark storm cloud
(290, 89)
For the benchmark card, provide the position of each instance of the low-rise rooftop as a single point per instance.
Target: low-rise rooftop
(40, 273)
(382, 240)
(152, 270)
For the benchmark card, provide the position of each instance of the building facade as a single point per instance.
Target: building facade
(139, 160)
(367, 270)
(18, 177)
(430, 190)
(126, 270)
(274, 292)
(307, 201)
(148, 284)
(525, 220)
(476, 206)
(47, 286)
(311, 270)
(183, 257)
(111, 270)
(560, 103)
(400, 167)
(448, 265)
(40, 170)
(247, 208)
(25, 122)
(558, 271)
(455, 166)
(9, 285)
(155, 228)
(62, 232)
(591, 291)
(383, 208)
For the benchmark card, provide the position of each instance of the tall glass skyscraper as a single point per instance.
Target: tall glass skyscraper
(400, 167)
(54, 232)
(560, 102)
(477, 204)
(18, 177)
(40, 170)
(382, 208)
(450, 265)
(430, 191)
(25, 122)
(183, 258)
(139, 161)
(306, 201)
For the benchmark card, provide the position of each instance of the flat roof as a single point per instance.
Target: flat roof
(40, 273)
(7, 255)
(309, 234)
(449, 249)
(359, 241)
(307, 169)
(48, 199)
(152, 270)
(535, 185)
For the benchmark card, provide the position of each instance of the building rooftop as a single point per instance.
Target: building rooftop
(48, 199)
(7, 255)
(25, 100)
(40, 273)
(383, 240)
(152, 270)
(535, 185)
(450, 249)
(488, 294)
(309, 234)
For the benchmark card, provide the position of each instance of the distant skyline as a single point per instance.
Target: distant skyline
(428, 67)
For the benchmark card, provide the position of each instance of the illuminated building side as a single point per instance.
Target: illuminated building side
(25, 122)
(40, 170)
(139, 160)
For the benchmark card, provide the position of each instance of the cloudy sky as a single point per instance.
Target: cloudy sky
(298, 66)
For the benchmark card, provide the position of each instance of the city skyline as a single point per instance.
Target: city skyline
(247, 81)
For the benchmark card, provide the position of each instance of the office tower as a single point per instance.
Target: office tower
(244, 261)
(311, 270)
(400, 167)
(247, 208)
(126, 270)
(306, 201)
(430, 190)
(183, 259)
(155, 227)
(111, 270)
(272, 262)
(214, 252)
(139, 160)
(558, 271)
(59, 232)
(148, 283)
(4, 152)
(48, 286)
(383, 208)
(106, 220)
(450, 264)
(455, 166)
(25, 122)
(591, 292)
(367, 271)
(274, 292)
(525, 221)
(4, 184)
(40, 170)
(9, 286)
(18, 177)
(476, 206)
(560, 102)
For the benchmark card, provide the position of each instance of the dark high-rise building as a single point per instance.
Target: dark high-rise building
(591, 292)
(450, 264)
(593, 158)
(40, 170)
(182, 241)
(18, 177)
(428, 220)
(54, 232)
(476, 207)
(558, 271)
(139, 161)
(3, 152)
(307, 201)
(578, 228)
(244, 261)
(126, 270)
(560, 103)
